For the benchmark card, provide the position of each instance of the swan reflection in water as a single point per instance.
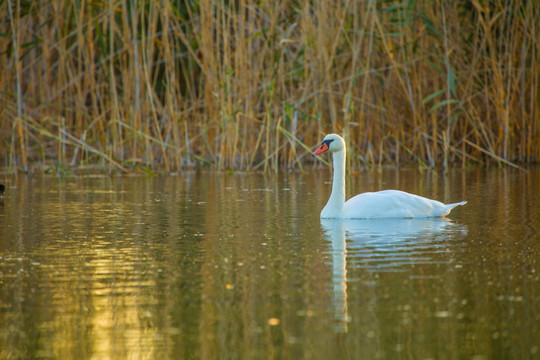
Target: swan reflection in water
(383, 245)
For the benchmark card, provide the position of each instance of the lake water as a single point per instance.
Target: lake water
(209, 265)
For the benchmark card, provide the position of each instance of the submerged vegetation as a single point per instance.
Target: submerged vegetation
(163, 85)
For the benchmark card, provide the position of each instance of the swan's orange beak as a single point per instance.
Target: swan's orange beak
(321, 149)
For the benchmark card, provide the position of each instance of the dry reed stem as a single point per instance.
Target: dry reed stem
(247, 86)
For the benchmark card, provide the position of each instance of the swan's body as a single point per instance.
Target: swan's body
(381, 204)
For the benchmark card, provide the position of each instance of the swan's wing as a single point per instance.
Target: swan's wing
(394, 204)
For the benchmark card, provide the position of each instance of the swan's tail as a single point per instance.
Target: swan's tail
(449, 207)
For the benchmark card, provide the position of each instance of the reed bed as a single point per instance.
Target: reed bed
(160, 86)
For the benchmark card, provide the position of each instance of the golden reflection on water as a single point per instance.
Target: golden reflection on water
(210, 265)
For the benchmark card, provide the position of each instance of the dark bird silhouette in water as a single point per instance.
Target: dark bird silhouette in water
(2, 189)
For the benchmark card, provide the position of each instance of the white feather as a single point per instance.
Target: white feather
(381, 204)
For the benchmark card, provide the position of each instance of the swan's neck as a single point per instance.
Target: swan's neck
(334, 206)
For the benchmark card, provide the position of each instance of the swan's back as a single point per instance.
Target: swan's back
(394, 204)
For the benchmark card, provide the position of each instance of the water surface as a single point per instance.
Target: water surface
(209, 265)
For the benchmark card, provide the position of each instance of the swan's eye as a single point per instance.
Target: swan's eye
(322, 148)
(325, 146)
(327, 143)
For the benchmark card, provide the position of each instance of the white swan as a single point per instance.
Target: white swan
(381, 204)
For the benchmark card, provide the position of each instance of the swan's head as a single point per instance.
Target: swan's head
(332, 143)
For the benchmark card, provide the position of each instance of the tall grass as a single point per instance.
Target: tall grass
(132, 84)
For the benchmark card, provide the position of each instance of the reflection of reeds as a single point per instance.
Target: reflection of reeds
(166, 85)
